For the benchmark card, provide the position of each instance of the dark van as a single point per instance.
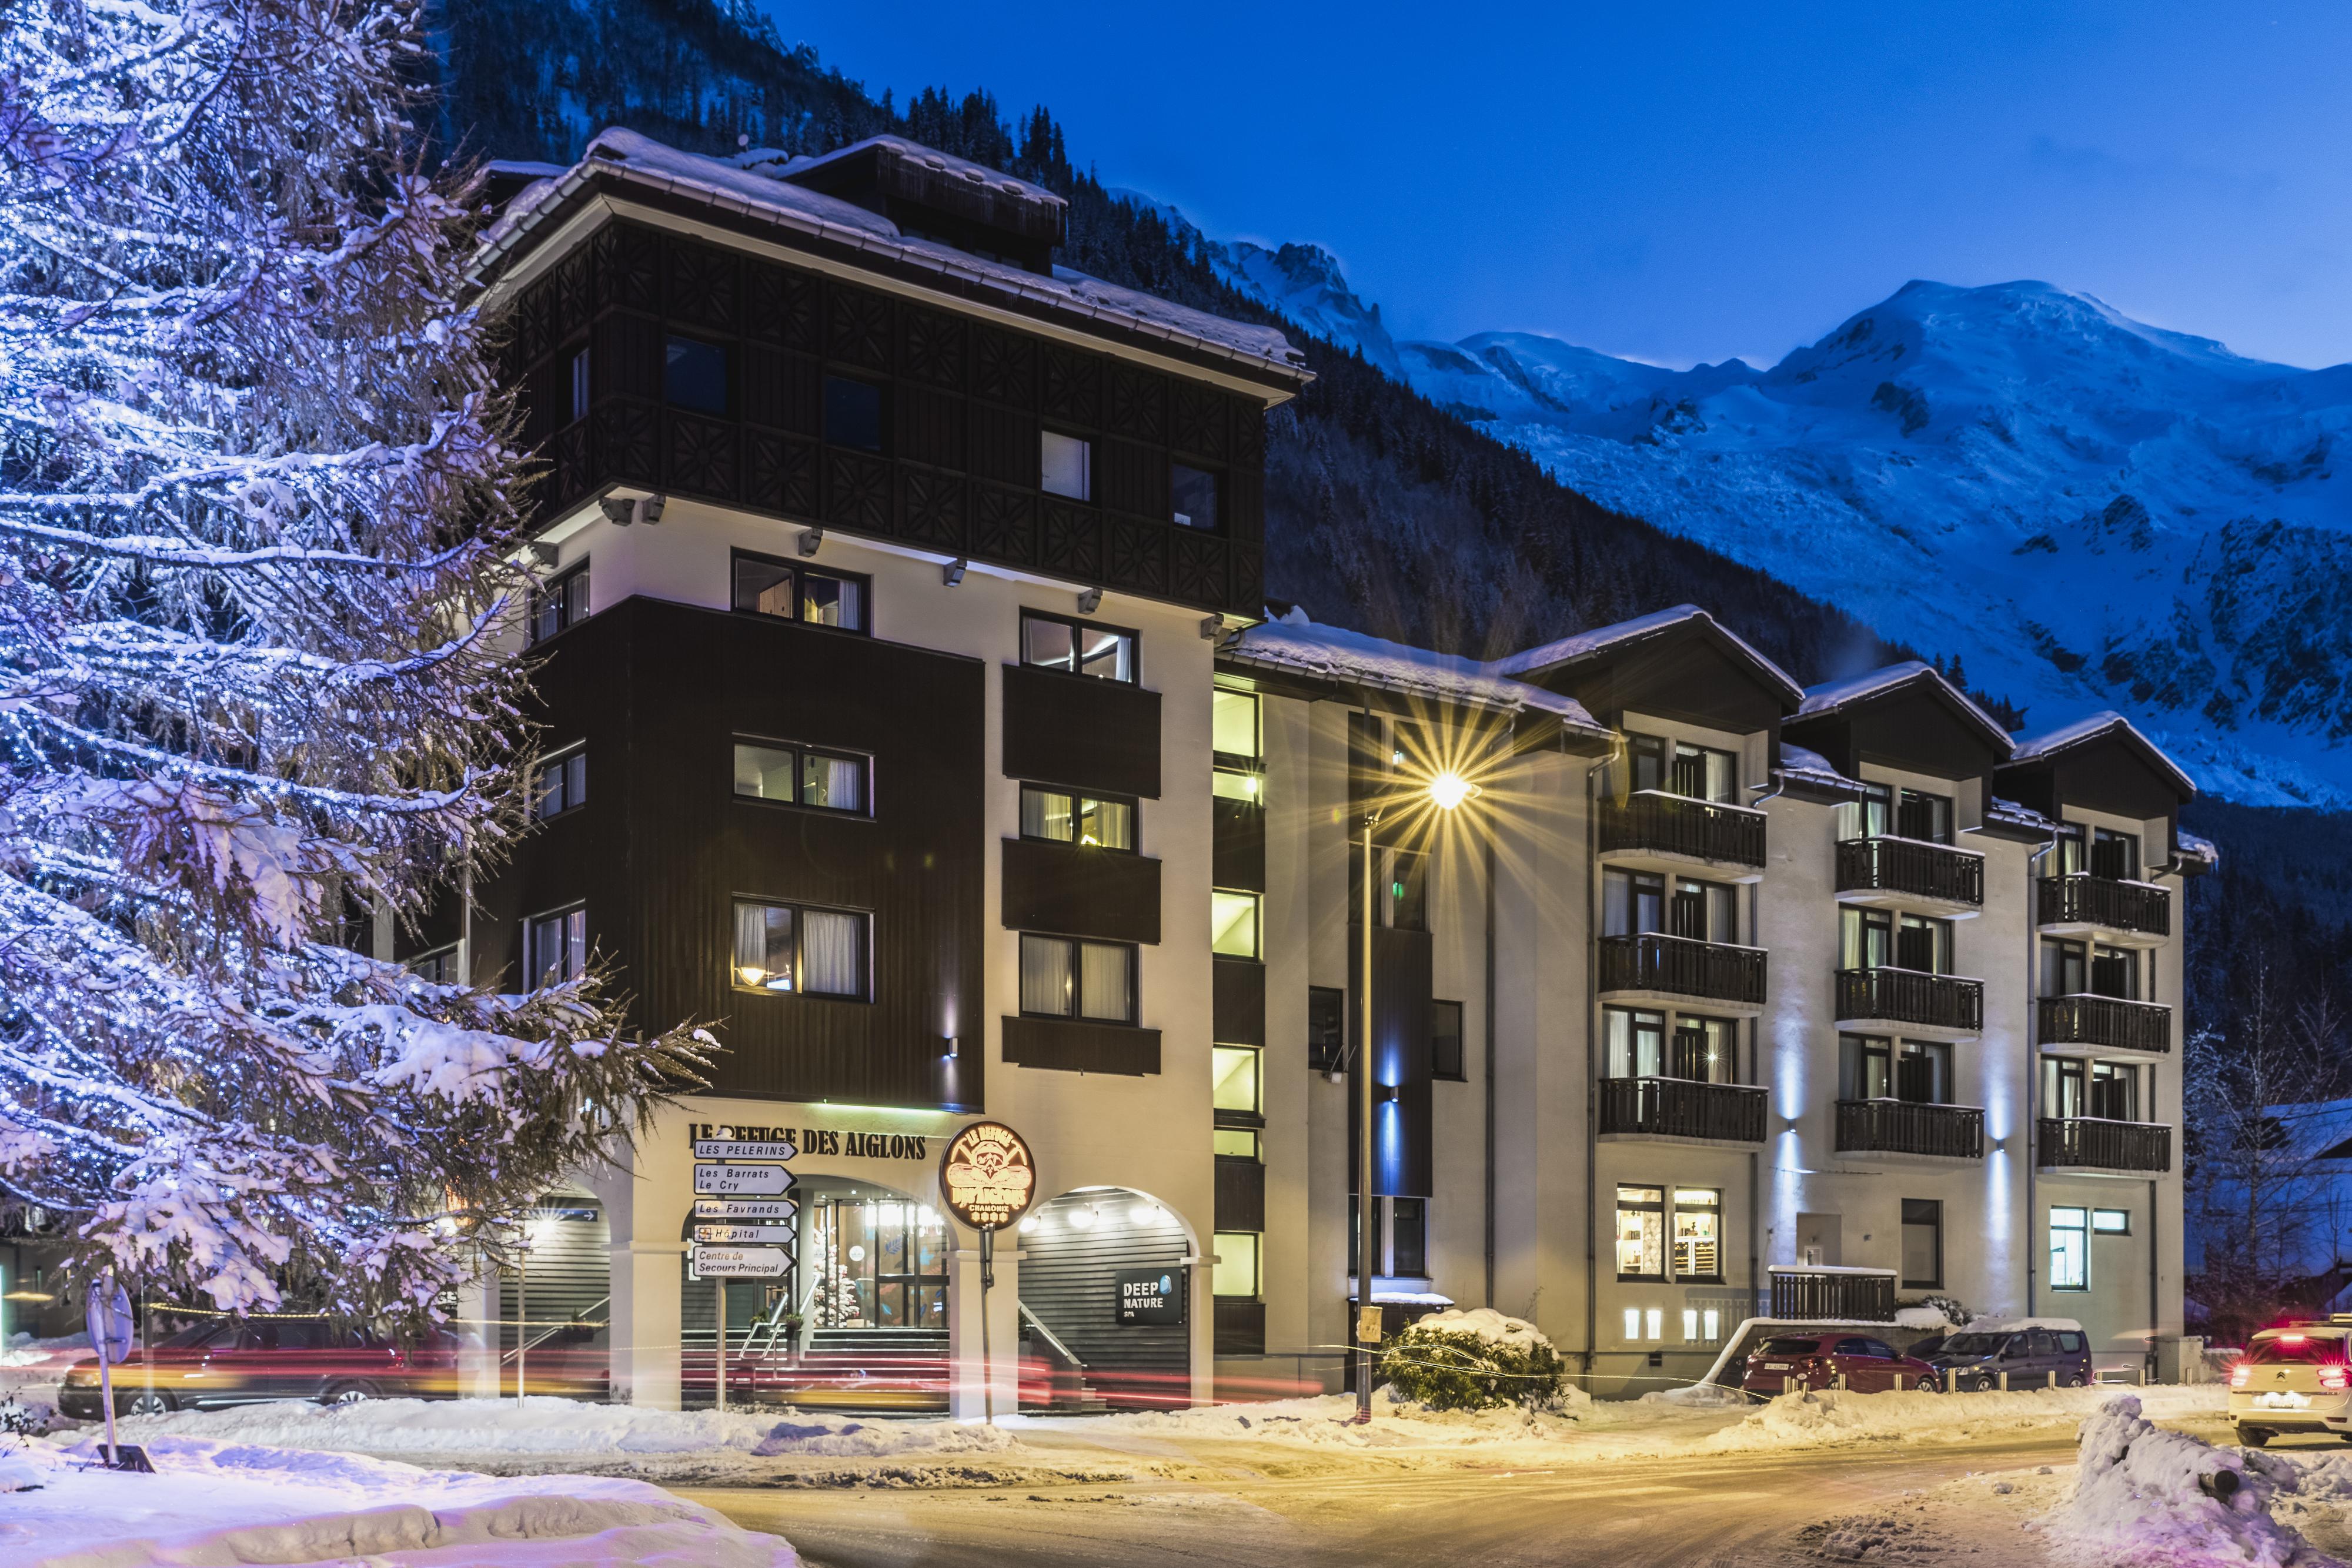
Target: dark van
(2036, 1353)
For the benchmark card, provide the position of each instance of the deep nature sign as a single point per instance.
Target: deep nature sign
(987, 1177)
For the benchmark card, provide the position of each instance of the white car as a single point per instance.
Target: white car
(2292, 1380)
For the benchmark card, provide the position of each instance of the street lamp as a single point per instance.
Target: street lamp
(1445, 791)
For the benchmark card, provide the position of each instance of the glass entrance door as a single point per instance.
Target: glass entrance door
(883, 1264)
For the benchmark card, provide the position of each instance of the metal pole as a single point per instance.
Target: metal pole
(719, 1348)
(523, 1314)
(1367, 1313)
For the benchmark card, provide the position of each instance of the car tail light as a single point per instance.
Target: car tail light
(2239, 1374)
(2336, 1379)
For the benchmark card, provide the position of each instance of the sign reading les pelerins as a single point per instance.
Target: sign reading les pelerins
(987, 1177)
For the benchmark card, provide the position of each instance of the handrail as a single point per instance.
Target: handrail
(553, 1329)
(1051, 1337)
(1703, 801)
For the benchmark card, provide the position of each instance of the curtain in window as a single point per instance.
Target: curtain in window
(1045, 976)
(1044, 814)
(838, 782)
(1105, 984)
(832, 952)
(1108, 824)
(763, 945)
(831, 602)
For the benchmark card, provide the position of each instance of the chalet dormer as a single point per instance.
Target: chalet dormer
(933, 195)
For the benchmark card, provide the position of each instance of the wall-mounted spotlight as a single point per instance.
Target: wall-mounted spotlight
(955, 1048)
(810, 540)
(546, 555)
(1089, 602)
(952, 573)
(1211, 628)
(1390, 1094)
(621, 511)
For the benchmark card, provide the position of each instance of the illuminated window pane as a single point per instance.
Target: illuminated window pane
(1232, 723)
(1233, 924)
(764, 773)
(1236, 1272)
(1236, 1068)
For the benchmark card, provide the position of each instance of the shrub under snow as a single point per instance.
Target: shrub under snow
(1473, 1360)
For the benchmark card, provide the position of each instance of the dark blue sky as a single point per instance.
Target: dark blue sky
(1688, 183)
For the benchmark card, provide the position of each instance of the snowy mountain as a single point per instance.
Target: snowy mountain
(2088, 511)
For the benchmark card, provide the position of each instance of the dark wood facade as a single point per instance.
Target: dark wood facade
(963, 402)
(657, 692)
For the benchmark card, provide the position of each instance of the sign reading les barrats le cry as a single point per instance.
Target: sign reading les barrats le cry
(987, 1175)
(730, 1181)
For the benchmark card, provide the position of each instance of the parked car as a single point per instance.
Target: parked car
(1817, 1360)
(224, 1361)
(2292, 1380)
(2037, 1352)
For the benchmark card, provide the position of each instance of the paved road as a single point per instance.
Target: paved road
(1687, 1513)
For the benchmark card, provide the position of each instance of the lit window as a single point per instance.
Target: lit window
(555, 947)
(1632, 1322)
(1236, 1143)
(1654, 1320)
(1690, 1325)
(1062, 977)
(766, 586)
(1233, 784)
(580, 386)
(1232, 925)
(1712, 1323)
(1641, 1233)
(1192, 493)
(1065, 465)
(2111, 1221)
(1234, 1074)
(1697, 1238)
(694, 375)
(1236, 1272)
(1062, 817)
(797, 775)
(1232, 724)
(560, 783)
(782, 947)
(1078, 647)
(2070, 1249)
(560, 602)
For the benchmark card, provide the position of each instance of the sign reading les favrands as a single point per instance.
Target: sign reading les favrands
(987, 1175)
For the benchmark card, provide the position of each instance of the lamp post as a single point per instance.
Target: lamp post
(1445, 792)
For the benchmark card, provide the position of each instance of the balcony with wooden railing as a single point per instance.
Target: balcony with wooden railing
(1914, 996)
(1910, 1127)
(1679, 966)
(1651, 821)
(1681, 1108)
(2091, 1144)
(2111, 1023)
(1831, 1294)
(2103, 903)
(1911, 869)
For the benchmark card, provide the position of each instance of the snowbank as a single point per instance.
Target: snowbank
(548, 1426)
(2170, 1498)
(213, 1503)
(1828, 1417)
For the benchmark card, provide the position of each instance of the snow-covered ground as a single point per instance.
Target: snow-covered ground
(213, 1502)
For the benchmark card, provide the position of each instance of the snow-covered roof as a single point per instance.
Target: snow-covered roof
(1610, 638)
(931, 158)
(1297, 645)
(2011, 1325)
(2010, 814)
(2192, 847)
(2034, 748)
(1832, 696)
(1803, 767)
(626, 155)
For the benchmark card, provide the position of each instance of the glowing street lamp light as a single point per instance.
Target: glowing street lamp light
(1446, 791)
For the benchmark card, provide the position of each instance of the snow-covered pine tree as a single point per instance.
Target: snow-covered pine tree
(256, 517)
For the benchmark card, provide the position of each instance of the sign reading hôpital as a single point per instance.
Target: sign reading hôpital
(986, 1176)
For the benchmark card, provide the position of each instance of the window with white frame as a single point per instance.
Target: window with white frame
(560, 783)
(555, 947)
(2070, 1249)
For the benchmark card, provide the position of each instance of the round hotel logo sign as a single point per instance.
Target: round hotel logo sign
(987, 1175)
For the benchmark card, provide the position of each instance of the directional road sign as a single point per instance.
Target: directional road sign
(740, 1262)
(744, 1235)
(727, 1149)
(774, 1210)
(742, 1181)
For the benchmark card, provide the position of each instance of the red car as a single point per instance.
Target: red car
(1795, 1361)
(222, 1362)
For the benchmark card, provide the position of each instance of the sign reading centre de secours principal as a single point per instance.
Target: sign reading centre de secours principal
(740, 1262)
